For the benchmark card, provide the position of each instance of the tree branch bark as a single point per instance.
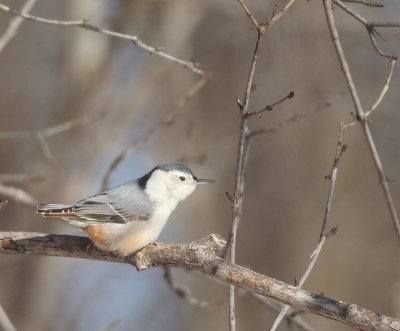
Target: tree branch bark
(200, 256)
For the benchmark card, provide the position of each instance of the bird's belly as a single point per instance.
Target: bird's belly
(135, 236)
(132, 243)
(129, 237)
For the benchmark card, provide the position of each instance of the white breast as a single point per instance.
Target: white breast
(130, 237)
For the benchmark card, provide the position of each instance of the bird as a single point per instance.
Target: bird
(130, 216)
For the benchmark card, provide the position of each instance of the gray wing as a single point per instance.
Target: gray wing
(122, 204)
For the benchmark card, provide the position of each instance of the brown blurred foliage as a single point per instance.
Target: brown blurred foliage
(51, 74)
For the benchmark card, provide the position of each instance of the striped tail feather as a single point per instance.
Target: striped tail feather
(55, 210)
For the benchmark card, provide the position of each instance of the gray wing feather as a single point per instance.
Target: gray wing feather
(122, 204)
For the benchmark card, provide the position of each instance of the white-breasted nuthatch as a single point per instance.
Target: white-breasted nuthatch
(130, 216)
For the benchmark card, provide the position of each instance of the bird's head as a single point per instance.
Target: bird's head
(172, 182)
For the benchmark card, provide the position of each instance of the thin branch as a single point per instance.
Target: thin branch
(200, 256)
(44, 147)
(384, 90)
(313, 259)
(181, 291)
(5, 321)
(243, 145)
(289, 318)
(168, 119)
(385, 24)
(277, 16)
(41, 135)
(269, 107)
(17, 195)
(264, 27)
(47, 132)
(239, 179)
(20, 178)
(340, 148)
(371, 34)
(351, 12)
(370, 27)
(249, 14)
(365, 3)
(360, 116)
(134, 39)
(68, 125)
(296, 118)
(14, 25)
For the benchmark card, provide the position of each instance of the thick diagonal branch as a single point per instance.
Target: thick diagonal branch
(200, 256)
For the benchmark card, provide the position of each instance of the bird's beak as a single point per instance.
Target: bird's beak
(204, 181)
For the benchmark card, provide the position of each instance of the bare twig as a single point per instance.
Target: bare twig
(44, 146)
(14, 25)
(340, 148)
(296, 118)
(385, 24)
(360, 116)
(243, 146)
(239, 180)
(183, 292)
(200, 256)
(5, 321)
(134, 39)
(291, 320)
(249, 14)
(168, 119)
(20, 178)
(17, 195)
(313, 259)
(41, 135)
(269, 107)
(371, 34)
(264, 27)
(365, 3)
(384, 90)
(277, 16)
(48, 132)
(370, 27)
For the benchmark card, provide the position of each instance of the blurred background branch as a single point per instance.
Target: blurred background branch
(14, 25)
(5, 321)
(84, 24)
(41, 135)
(168, 120)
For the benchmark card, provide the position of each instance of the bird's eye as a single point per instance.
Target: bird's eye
(182, 178)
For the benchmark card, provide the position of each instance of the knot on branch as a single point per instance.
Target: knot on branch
(189, 255)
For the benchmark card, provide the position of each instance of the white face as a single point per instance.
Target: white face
(173, 186)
